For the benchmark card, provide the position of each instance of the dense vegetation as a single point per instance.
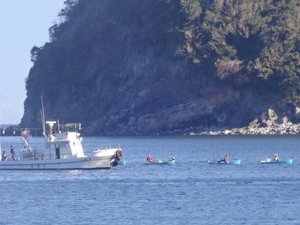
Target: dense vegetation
(252, 41)
(139, 66)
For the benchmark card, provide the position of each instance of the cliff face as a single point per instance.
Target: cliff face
(165, 66)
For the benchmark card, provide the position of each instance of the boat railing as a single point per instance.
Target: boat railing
(105, 147)
(42, 156)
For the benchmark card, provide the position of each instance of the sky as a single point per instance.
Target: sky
(23, 24)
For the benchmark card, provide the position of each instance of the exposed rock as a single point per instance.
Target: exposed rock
(272, 115)
(180, 115)
(285, 120)
(297, 112)
(227, 68)
(268, 127)
(254, 123)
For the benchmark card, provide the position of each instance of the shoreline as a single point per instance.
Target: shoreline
(274, 129)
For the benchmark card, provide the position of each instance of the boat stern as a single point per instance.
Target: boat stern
(114, 155)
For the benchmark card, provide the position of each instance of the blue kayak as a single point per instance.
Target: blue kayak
(220, 162)
(160, 162)
(122, 162)
(270, 161)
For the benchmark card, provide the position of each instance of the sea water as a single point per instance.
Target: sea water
(190, 192)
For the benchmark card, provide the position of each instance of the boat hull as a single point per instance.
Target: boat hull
(233, 162)
(289, 161)
(169, 163)
(84, 163)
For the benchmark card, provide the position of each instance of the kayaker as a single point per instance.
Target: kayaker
(226, 158)
(149, 159)
(276, 158)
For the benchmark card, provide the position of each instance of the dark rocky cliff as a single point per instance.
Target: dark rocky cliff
(166, 66)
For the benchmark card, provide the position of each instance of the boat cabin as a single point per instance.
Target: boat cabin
(65, 145)
(62, 142)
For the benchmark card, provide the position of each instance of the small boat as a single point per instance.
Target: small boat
(160, 162)
(63, 151)
(122, 162)
(271, 161)
(221, 162)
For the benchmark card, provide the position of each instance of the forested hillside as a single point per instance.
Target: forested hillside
(167, 66)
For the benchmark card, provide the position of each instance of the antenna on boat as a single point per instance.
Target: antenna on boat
(43, 117)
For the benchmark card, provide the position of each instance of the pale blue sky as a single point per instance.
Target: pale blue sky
(23, 24)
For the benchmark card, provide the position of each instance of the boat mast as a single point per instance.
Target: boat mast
(43, 117)
(0, 145)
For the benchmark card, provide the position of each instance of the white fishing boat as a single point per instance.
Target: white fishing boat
(63, 151)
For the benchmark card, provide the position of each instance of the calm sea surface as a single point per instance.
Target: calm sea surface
(191, 192)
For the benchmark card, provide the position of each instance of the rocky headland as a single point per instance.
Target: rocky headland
(170, 67)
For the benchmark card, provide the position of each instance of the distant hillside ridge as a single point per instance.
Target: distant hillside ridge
(167, 66)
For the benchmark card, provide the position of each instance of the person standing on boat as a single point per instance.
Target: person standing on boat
(12, 152)
(149, 159)
(3, 156)
(276, 158)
